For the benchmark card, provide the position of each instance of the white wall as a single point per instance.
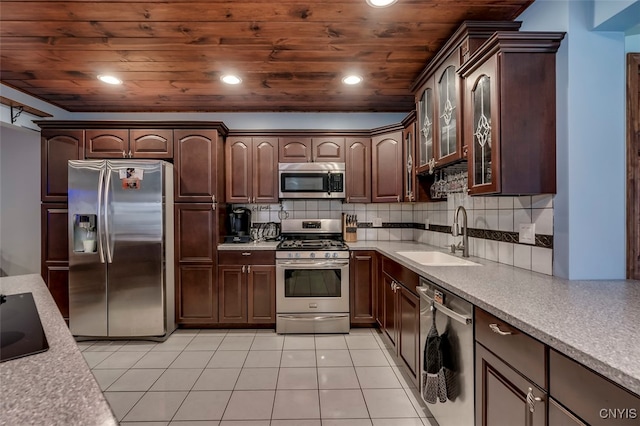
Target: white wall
(589, 208)
(19, 200)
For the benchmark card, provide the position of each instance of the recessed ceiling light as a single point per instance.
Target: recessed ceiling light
(109, 79)
(231, 79)
(352, 79)
(380, 3)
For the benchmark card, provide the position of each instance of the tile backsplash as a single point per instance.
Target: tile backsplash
(493, 223)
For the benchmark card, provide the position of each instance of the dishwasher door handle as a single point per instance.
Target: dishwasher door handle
(464, 319)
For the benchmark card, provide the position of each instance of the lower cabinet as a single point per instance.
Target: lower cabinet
(246, 287)
(362, 282)
(401, 313)
(197, 294)
(55, 253)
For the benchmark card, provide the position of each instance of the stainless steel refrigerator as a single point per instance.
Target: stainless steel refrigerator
(121, 275)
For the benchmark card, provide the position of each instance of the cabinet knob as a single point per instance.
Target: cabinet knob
(246, 253)
(531, 400)
(496, 329)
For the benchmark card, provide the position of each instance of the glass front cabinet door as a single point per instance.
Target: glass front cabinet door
(449, 114)
(426, 161)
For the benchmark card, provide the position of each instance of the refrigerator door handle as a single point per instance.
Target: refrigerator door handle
(106, 217)
(100, 230)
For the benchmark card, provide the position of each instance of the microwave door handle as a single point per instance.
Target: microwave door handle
(329, 182)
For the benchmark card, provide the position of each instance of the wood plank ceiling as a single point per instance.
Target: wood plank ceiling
(291, 55)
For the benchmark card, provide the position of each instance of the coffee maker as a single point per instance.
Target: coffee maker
(239, 226)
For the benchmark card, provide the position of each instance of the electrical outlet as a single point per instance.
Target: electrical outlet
(426, 224)
(527, 233)
(377, 222)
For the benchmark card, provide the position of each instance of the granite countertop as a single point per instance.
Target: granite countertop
(592, 322)
(254, 245)
(52, 387)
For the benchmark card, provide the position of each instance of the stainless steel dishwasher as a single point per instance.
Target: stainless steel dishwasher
(454, 319)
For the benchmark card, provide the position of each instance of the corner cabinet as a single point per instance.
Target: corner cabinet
(363, 269)
(251, 169)
(387, 166)
(358, 169)
(510, 112)
(58, 147)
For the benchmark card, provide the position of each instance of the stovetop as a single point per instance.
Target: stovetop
(312, 244)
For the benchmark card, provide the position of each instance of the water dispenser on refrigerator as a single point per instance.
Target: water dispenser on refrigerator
(84, 233)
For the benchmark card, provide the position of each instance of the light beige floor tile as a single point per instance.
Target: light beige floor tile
(298, 378)
(95, 358)
(182, 332)
(257, 379)
(298, 359)
(369, 358)
(106, 346)
(122, 402)
(217, 379)
(299, 342)
(361, 342)
(194, 423)
(204, 343)
(203, 405)
(298, 422)
(267, 343)
(236, 343)
(159, 359)
(361, 331)
(429, 421)
(388, 403)
(144, 423)
(377, 378)
(174, 343)
(398, 422)
(213, 332)
(333, 358)
(181, 379)
(227, 359)
(250, 405)
(296, 404)
(262, 359)
(331, 342)
(346, 422)
(120, 359)
(337, 378)
(137, 380)
(241, 331)
(343, 404)
(418, 404)
(403, 376)
(156, 406)
(105, 378)
(245, 423)
(138, 346)
(192, 359)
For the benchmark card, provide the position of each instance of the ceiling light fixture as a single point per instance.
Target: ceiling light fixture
(109, 79)
(380, 3)
(352, 79)
(231, 79)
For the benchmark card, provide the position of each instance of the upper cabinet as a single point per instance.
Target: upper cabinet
(387, 166)
(440, 98)
(251, 169)
(58, 147)
(510, 111)
(408, 157)
(125, 143)
(358, 170)
(295, 149)
(199, 161)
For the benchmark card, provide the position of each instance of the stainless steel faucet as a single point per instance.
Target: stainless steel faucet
(455, 231)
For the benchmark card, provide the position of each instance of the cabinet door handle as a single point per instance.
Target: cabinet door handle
(124, 154)
(531, 400)
(398, 198)
(248, 269)
(246, 253)
(352, 255)
(213, 202)
(496, 329)
(243, 269)
(130, 155)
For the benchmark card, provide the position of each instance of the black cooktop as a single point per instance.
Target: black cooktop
(21, 332)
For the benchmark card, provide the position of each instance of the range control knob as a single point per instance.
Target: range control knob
(312, 255)
(335, 254)
(327, 255)
(297, 254)
(289, 255)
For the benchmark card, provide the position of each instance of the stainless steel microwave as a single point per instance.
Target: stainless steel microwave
(311, 180)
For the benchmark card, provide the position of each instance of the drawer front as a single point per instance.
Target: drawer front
(247, 257)
(521, 351)
(590, 396)
(407, 277)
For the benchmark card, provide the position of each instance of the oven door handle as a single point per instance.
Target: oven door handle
(311, 265)
(318, 318)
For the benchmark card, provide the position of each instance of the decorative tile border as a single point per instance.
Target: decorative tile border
(544, 241)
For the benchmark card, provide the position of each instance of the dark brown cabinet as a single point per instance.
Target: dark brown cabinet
(196, 284)
(58, 147)
(363, 279)
(387, 167)
(401, 313)
(510, 107)
(125, 143)
(55, 253)
(295, 149)
(251, 169)
(246, 283)
(198, 160)
(358, 170)
(408, 158)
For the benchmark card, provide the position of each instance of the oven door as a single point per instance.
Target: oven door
(308, 286)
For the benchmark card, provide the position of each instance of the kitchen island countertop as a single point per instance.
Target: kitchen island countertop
(592, 322)
(54, 387)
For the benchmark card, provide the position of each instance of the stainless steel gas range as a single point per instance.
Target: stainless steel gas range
(312, 277)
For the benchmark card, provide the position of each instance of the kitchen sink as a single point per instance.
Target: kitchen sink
(436, 258)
